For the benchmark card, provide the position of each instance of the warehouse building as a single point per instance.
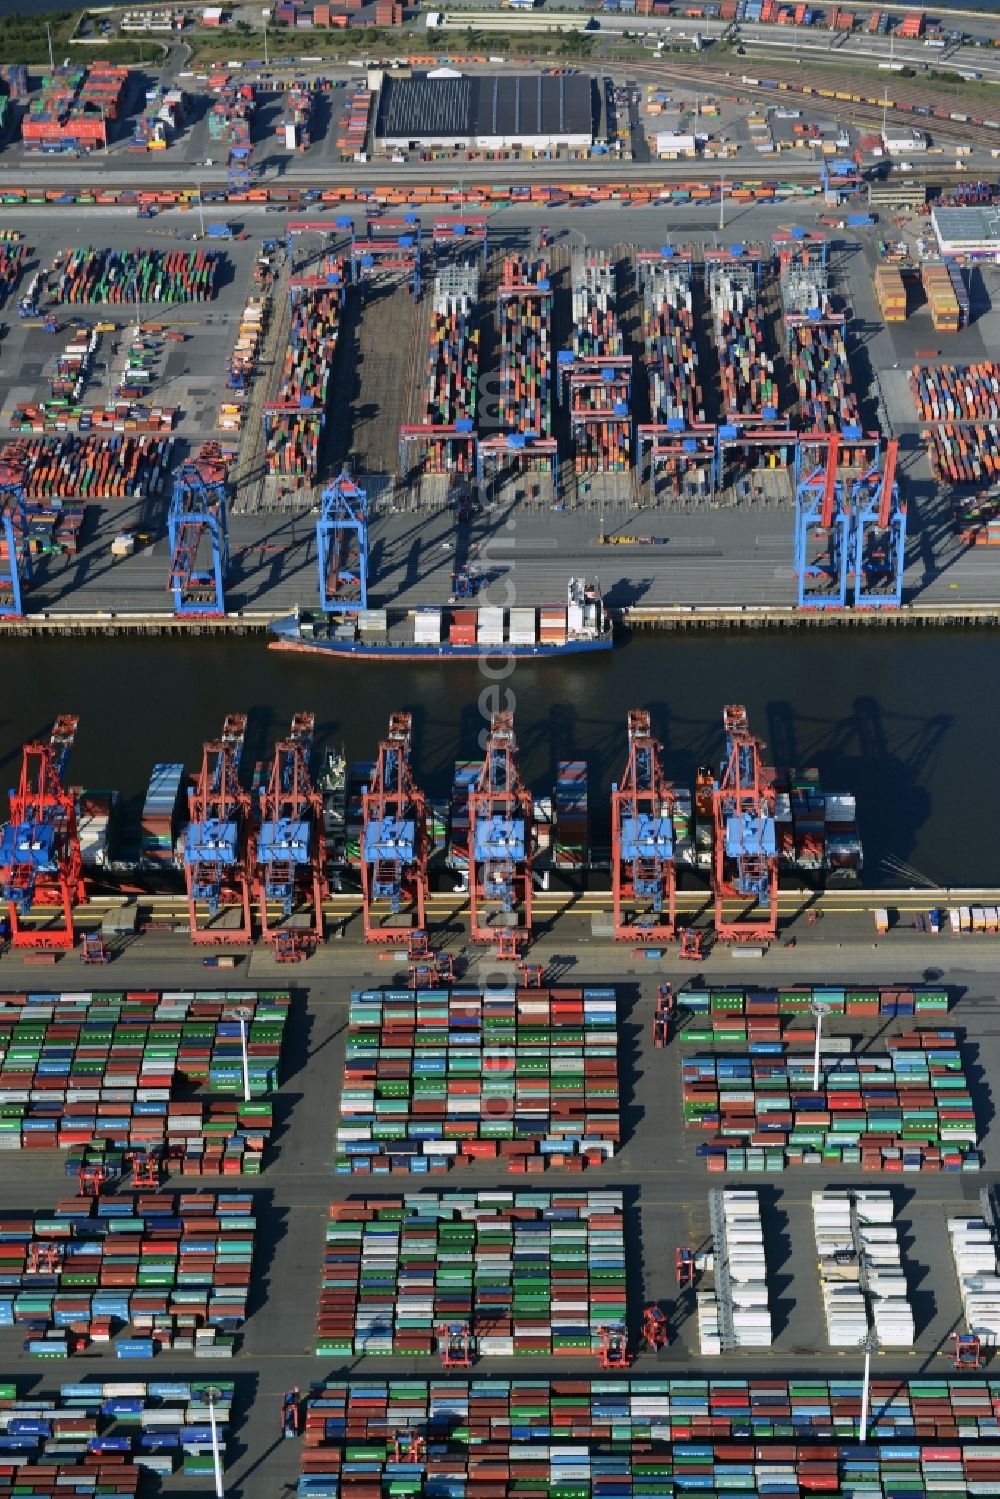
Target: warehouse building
(967, 231)
(515, 111)
(671, 145)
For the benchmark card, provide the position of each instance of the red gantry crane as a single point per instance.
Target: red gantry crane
(744, 854)
(217, 842)
(40, 863)
(394, 839)
(288, 854)
(501, 843)
(643, 872)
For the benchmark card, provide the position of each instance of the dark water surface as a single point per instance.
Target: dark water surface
(908, 721)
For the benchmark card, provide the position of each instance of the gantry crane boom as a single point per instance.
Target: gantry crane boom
(879, 552)
(197, 519)
(744, 854)
(501, 840)
(394, 839)
(217, 840)
(643, 871)
(40, 860)
(288, 855)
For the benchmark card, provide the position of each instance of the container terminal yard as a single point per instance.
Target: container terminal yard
(244, 1015)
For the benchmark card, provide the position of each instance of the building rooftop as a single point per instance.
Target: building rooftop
(968, 224)
(511, 105)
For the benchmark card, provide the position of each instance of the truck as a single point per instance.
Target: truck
(219, 231)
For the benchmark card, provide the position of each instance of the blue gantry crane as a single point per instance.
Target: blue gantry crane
(879, 551)
(16, 568)
(643, 872)
(744, 855)
(342, 547)
(216, 841)
(502, 842)
(822, 523)
(288, 857)
(394, 840)
(40, 860)
(197, 519)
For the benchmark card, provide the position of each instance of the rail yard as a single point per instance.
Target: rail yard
(412, 361)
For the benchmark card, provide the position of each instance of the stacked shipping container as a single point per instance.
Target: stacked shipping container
(102, 1436)
(74, 107)
(354, 122)
(443, 1078)
(909, 1109)
(525, 312)
(598, 391)
(890, 290)
(137, 276)
(570, 816)
(947, 313)
(746, 371)
(526, 1272)
(736, 1014)
(294, 434)
(162, 814)
(80, 1067)
(295, 126)
(670, 349)
(87, 467)
(173, 1267)
(451, 382)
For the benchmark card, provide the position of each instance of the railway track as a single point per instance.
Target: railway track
(807, 82)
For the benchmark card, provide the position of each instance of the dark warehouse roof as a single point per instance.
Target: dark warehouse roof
(516, 105)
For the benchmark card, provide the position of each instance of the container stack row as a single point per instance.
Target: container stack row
(827, 399)
(451, 382)
(13, 259)
(161, 119)
(163, 811)
(890, 290)
(598, 392)
(525, 1273)
(645, 1436)
(907, 1109)
(96, 277)
(88, 468)
(30, 417)
(736, 1314)
(669, 346)
(294, 433)
(80, 1067)
(570, 816)
(525, 312)
(964, 452)
(946, 295)
(956, 393)
(230, 119)
(243, 361)
(698, 1412)
(746, 370)
(73, 365)
(354, 122)
(974, 1250)
(451, 1077)
(174, 1268)
(737, 1014)
(861, 1272)
(100, 1437)
(73, 108)
(295, 125)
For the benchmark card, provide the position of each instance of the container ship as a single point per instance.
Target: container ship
(455, 634)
